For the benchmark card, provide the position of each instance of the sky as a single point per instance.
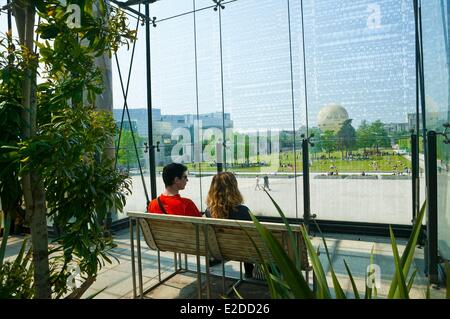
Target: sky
(359, 54)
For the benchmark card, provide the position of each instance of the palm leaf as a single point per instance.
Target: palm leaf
(408, 253)
(291, 275)
(324, 290)
(403, 290)
(411, 280)
(291, 236)
(355, 290)
(337, 286)
(5, 238)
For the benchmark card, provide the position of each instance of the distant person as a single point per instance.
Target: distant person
(170, 202)
(225, 201)
(257, 186)
(266, 182)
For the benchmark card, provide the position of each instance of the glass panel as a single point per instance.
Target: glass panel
(436, 28)
(201, 4)
(169, 8)
(258, 99)
(137, 103)
(209, 97)
(361, 88)
(174, 98)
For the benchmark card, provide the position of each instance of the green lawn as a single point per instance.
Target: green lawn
(320, 163)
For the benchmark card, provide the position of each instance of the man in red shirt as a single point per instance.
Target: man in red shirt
(170, 201)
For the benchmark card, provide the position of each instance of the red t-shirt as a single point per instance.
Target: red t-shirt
(174, 205)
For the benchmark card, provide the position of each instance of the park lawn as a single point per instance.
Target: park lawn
(387, 163)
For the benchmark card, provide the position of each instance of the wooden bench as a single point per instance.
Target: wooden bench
(224, 239)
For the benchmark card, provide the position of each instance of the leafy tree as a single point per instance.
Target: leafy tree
(363, 136)
(57, 151)
(316, 139)
(127, 153)
(346, 137)
(328, 142)
(286, 139)
(10, 127)
(378, 135)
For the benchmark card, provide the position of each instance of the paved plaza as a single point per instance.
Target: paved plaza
(381, 199)
(114, 281)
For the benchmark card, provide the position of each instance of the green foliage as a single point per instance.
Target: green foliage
(328, 142)
(11, 72)
(290, 282)
(346, 137)
(363, 135)
(82, 185)
(16, 277)
(69, 150)
(127, 153)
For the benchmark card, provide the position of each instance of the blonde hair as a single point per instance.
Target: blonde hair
(223, 195)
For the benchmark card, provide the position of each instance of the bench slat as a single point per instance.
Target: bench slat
(227, 239)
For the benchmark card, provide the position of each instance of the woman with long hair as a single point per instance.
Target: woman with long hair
(225, 201)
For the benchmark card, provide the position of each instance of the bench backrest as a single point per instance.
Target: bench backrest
(226, 239)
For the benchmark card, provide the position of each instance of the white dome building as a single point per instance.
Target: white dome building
(331, 117)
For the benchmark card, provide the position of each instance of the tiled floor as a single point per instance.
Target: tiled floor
(115, 281)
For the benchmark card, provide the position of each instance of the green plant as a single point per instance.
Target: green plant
(54, 143)
(16, 277)
(289, 282)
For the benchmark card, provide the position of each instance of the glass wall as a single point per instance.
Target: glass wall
(436, 28)
(361, 89)
(136, 125)
(258, 98)
(240, 85)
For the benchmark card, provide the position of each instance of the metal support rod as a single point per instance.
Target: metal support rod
(186, 262)
(138, 237)
(175, 263)
(415, 176)
(125, 7)
(151, 151)
(223, 276)
(208, 283)
(199, 276)
(306, 192)
(133, 266)
(432, 210)
(9, 17)
(240, 270)
(159, 265)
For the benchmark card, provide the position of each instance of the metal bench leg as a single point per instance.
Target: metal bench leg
(199, 276)
(240, 270)
(223, 276)
(175, 263)
(138, 237)
(159, 265)
(133, 260)
(208, 284)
